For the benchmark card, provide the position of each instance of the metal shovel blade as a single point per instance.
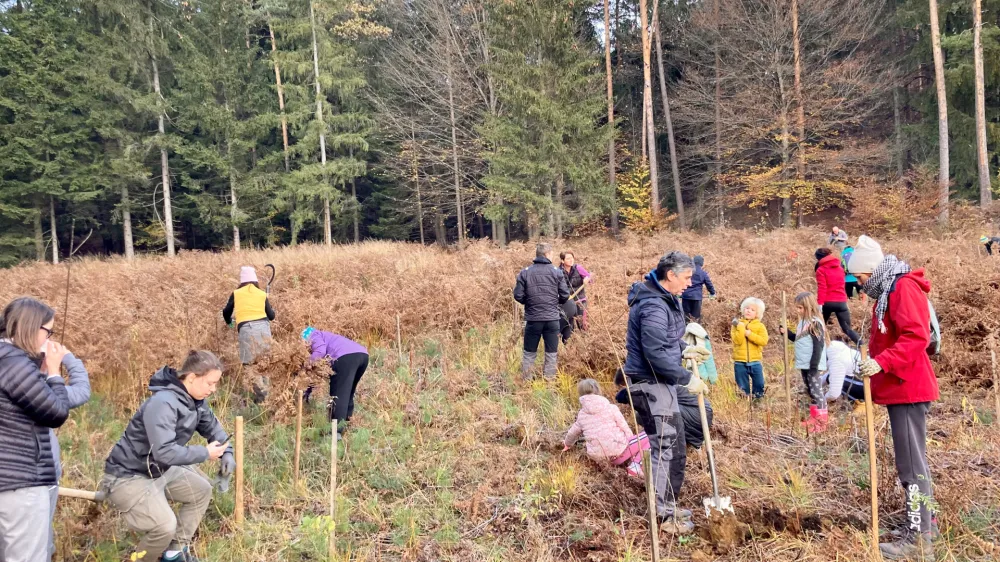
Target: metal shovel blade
(721, 504)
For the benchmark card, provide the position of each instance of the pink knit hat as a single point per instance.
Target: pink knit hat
(248, 274)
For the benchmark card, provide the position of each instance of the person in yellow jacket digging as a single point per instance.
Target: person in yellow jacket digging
(749, 338)
(250, 310)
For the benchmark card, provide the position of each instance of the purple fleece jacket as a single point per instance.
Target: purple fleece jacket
(326, 344)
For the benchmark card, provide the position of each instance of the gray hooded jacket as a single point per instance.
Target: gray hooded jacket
(156, 438)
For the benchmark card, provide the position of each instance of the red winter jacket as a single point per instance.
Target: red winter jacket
(907, 376)
(830, 281)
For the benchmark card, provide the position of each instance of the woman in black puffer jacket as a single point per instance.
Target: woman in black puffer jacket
(33, 399)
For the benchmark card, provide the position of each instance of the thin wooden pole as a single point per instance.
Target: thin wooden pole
(333, 492)
(654, 529)
(784, 347)
(238, 510)
(872, 467)
(298, 440)
(399, 340)
(996, 379)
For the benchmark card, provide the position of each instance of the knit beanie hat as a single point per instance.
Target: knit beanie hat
(756, 303)
(307, 333)
(699, 261)
(248, 274)
(866, 257)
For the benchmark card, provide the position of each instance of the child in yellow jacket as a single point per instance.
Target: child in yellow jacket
(749, 338)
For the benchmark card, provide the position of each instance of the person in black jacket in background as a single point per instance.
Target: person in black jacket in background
(153, 464)
(33, 399)
(542, 289)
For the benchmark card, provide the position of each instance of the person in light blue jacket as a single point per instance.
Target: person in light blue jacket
(810, 339)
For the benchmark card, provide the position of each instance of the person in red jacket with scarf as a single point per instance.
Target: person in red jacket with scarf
(831, 294)
(903, 380)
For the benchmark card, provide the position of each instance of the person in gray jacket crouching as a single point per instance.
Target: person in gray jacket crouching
(152, 464)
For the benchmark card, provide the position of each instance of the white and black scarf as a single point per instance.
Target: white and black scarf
(879, 283)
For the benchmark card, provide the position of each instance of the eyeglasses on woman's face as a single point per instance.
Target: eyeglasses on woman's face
(49, 332)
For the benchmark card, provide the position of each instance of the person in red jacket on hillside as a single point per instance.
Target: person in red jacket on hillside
(830, 292)
(903, 380)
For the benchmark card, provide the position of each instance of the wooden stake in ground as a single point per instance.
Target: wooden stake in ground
(996, 378)
(654, 529)
(298, 441)
(238, 510)
(784, 346)
(399, 340)
(872, 468)
(333, 491)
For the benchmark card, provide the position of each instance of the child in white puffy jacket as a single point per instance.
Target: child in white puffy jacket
(842, 363)
(603, 427)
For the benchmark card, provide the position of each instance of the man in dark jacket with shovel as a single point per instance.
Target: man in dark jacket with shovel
(542, 289)
(655, 351)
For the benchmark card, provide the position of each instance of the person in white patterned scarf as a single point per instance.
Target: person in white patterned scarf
(903, 380)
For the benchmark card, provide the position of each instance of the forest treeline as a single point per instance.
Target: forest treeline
(158, 125)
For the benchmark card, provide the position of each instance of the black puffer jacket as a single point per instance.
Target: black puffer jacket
(654, 340)
(29, 406)
(541, 288)
(157, 437)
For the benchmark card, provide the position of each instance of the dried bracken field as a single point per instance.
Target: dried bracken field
(451, 458)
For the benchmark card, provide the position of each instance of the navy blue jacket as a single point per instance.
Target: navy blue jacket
(541, 288)
(698, 279)
(654, 340)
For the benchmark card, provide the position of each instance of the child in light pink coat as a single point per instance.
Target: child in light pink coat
(608, 436)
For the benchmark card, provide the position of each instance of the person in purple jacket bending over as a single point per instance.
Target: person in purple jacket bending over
(348, 359)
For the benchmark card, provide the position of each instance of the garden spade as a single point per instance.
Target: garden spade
(719, 503)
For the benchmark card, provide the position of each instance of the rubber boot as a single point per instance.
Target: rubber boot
(822, 421)
(550, 366)
(528, 363)
(812, 415)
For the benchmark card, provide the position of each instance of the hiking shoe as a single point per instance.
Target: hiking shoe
(635, 471)
(675, 526)
(916, 547)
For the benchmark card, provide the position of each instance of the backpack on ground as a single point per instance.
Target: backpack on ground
(934, 347)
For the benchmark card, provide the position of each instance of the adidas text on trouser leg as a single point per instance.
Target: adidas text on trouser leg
(908, 423)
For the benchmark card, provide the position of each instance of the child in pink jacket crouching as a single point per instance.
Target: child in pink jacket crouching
(608, 436)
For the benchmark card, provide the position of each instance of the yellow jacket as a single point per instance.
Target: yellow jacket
(749, 349)
(246, 304)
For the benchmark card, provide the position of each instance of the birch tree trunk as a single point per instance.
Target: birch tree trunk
(234, 208)
(800, 114)
(786, 202)
(53, 234)
(127, 225)
(454, 150)
(168, 212)
(560, 188)
(985, 181)
(354, 203)
(612, 179)
(942, 102)
(674, 168)
(718, 118)
(39, 235)
(648, 108)
(284, 125)
(327, 231)
(898, 126)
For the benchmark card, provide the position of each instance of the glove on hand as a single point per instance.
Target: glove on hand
(870, 367)
(227, 465)
(697, 386)
(696, 353)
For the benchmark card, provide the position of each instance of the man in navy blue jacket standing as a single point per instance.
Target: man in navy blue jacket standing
(542, 289)
(655, 351)
(692, 296)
